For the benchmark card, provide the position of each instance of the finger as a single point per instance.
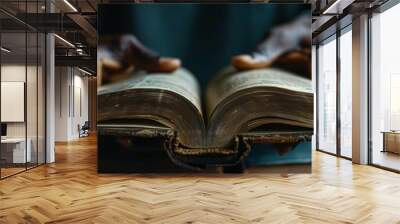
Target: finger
(247, 62)
(163, 65)
(297, 61)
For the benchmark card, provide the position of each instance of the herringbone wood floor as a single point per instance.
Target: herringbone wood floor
(71, 191)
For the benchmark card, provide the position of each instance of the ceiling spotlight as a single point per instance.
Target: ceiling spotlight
(65, 41)
(5, 50)
(79, 51)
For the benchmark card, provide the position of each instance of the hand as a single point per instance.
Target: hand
(296, 61)
(118, 56)
(287, 46)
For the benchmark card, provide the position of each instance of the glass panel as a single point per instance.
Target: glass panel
(32, 95)
(13, 86)
(346, 94)
(41, 98)
(314, 85)
(385, 89)
(23, 81)
(32, 88)
(327, 96)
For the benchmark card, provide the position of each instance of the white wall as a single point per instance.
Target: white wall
(16, 73)
(71, 102)
(62, 81)
(13, 101)
(80, 108)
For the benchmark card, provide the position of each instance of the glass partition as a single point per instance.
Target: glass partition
(346, 92)
(22, 87)
(32, 96)
(41, 97)
(327, 95)
(14, 153)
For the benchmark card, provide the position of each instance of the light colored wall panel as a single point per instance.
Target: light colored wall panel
(14, 73)
(12, 101)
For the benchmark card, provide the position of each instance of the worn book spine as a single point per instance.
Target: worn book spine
(198, 158)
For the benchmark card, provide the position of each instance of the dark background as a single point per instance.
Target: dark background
(203, 36)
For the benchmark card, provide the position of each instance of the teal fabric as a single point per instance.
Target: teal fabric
(203, 36)
(268, 155)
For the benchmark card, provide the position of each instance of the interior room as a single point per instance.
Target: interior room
(49, 157)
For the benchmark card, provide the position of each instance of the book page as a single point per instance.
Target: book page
(231, 81)
(181, 82)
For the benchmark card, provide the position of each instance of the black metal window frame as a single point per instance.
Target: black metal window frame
(339, 32)
(382, 8)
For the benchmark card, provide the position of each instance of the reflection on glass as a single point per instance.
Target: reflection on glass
(346, 94)
(327, 96)
(385, 93)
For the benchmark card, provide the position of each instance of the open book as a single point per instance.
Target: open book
(234, 102)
